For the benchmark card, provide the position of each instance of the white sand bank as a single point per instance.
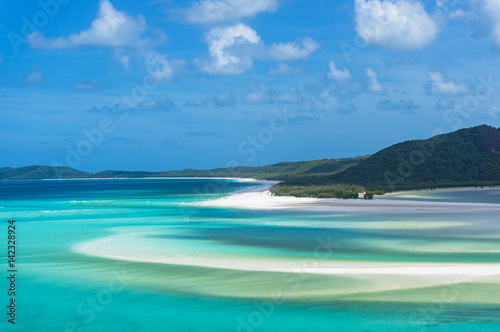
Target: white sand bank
(112, 248)
(260, 198)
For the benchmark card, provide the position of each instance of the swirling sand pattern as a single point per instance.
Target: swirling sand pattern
(235, 265)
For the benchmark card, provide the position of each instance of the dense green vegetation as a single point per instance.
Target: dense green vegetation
(464, 158)
(41, 172)
(287, 170)
(281, 171)
(467, 157)
(329, 191)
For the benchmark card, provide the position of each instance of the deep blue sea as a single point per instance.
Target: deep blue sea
(135, 255)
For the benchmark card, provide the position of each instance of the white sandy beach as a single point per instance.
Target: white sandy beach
(260, 198)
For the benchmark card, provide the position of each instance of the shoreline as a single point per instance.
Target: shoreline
(147, 178)
(446, 189)
(370, 276)
(260, 198)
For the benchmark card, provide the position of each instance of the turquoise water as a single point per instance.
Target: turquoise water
(88, 251)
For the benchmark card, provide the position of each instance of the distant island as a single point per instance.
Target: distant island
(464, 158)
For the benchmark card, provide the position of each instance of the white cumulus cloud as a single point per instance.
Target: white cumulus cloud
(455, 9)
(261, 94)
(324, 101)
(373, 83)
(337, 74)
(218, 11)
(122, 58)
(491, 8)
(230, 50)
(437, 85)
(395, 24)
(258, 94)
(111, 28)
(292, 95)
(161, 69)
(285, 69)
(293, 51)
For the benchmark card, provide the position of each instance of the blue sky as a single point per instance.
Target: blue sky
(165, 84)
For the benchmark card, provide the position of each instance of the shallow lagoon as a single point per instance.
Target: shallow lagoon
(129, 255)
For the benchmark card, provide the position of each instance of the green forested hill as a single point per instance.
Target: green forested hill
(467, 155)
(280, 171)
(464, 157)
(41, 172)
(291, 170)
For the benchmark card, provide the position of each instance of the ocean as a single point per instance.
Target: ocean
(138, 255)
